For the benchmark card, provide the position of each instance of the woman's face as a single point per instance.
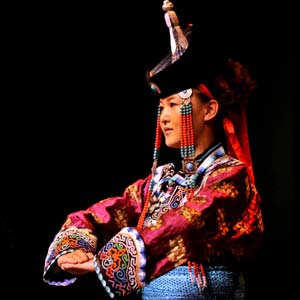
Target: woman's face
(170, 118)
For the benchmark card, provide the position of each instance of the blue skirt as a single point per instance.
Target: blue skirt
(222, 284)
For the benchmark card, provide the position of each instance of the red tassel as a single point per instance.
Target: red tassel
(197, 273)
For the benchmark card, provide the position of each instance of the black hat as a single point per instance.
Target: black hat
(200, 62)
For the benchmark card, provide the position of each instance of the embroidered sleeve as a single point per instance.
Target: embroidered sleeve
(92, 228)
(66, 241)
(120, 264)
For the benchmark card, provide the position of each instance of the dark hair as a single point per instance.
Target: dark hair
(233, 87)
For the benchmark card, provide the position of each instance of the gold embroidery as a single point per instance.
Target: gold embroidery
(96, 218)
(201, 199)
(222, 224)
(120, 218)
(132, 192)
(260, 221)
(157, 225)
(192, 216)
(242, 227)
(220, 171)
(178, 252)
(226, 188)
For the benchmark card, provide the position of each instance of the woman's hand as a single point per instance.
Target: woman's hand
(77, 263)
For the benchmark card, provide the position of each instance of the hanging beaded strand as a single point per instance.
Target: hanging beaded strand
(157, 143)
(187, 148)
(156, 152)
(187, 134)
(199, 274)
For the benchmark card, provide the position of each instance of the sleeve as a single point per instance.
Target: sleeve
(92, 228)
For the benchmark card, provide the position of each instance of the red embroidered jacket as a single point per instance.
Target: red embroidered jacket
(221, 224)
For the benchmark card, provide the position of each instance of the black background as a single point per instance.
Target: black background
(78, 123)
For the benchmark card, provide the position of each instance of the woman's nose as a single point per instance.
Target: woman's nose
(163, 118)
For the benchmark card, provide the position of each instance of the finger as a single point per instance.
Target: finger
(81, 256)
(90, 255)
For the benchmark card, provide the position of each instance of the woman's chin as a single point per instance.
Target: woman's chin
(173, 145)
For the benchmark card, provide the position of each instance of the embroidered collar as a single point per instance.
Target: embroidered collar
(166, 176)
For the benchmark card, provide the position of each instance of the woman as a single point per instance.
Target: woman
(186, 231)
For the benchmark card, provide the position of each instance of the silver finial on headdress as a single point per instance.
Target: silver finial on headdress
(178, 40)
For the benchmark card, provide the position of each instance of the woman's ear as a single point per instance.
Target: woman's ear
(212, 108)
